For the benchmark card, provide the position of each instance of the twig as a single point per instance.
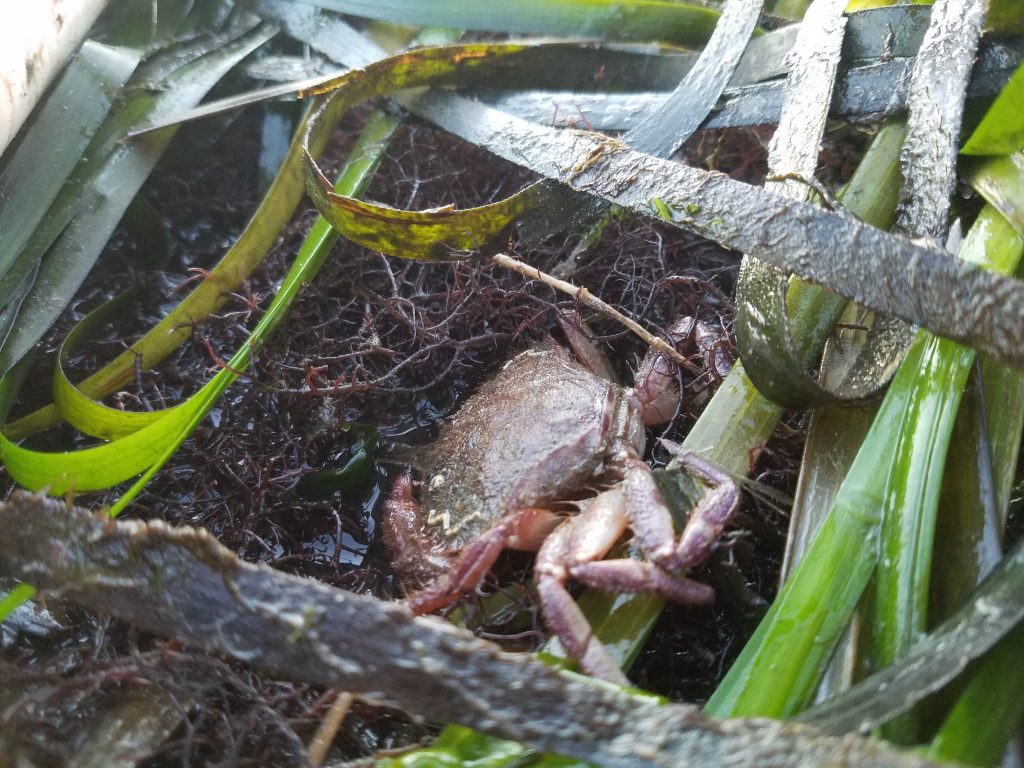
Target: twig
(583, 296)
(328, 730)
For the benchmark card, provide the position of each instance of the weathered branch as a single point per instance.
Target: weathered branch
(180, 582)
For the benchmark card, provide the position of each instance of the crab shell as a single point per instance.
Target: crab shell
(544, 430)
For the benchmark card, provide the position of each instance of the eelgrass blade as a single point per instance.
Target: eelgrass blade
(928, 159)
(763, 336)
(114, 173)
(663, 130)
(778, 670)
(835, 433)
(355, 176)
(147, 449)
(680, 23)
(989, 710)
(993, 611)
(1001, 131)
(14, 598)
(247, 252)
(39, 165)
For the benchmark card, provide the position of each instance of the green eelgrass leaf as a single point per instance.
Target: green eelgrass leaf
(146, 449)
(1001, 131)
(460, 747)
(993, 611)
(778, 670)
(247, 252)
(994, 179)
(1005, 16)
(110, 175)
(645, 20)
(17, 596)
(903, 577)
(983, 456)
(75, 406)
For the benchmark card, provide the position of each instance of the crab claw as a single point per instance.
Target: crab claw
(656, 382)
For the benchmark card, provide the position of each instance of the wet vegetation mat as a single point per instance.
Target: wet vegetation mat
(392, 386)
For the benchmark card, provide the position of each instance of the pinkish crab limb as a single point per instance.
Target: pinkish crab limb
(574, 551)
(583, 538)
(714, 511)
(524, 529)
(656, 381)
(651, 520)
(590, 356)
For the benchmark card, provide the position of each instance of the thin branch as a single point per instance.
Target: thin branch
(584, 296)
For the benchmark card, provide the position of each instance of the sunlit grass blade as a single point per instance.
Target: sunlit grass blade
(17, 596)
(148, 448)
(312, 254)
(1001, 130)
(835, 433)
(247, 252)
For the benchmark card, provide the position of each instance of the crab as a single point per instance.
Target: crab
(547, 429)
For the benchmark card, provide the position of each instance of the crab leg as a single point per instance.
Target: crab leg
(522, 529)
(574, 551)
(652, 522)
(588, 536)
(590, 356)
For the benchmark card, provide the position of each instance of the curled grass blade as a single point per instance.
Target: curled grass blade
(269, 219)
(148, 448)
